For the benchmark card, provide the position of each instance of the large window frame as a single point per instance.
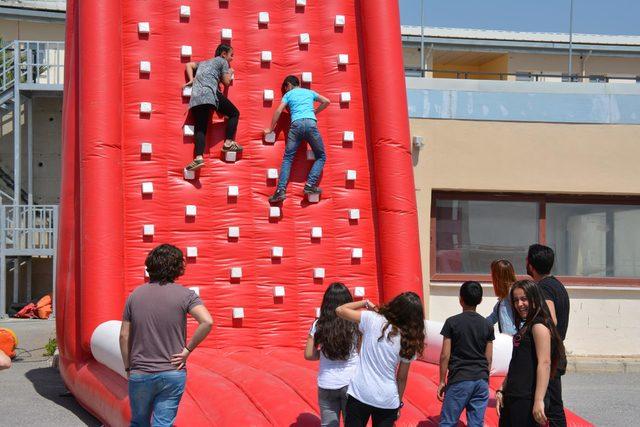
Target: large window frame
(542, 200)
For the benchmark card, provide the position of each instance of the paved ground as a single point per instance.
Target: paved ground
(32, 394)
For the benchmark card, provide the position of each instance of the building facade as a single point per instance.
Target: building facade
(502, 161)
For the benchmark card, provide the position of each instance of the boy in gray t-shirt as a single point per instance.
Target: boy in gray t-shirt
(153, 338)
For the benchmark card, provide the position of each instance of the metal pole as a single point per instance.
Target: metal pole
(16, 279)
(570, 40)
(421, 38)
(29, 115)
(3, 265)
(29, 277)
(17, 159)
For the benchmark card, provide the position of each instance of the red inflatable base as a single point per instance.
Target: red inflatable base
(254, 387)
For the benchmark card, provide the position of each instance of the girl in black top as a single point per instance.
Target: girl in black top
(537, 348)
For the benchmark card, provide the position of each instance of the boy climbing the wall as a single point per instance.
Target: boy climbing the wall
(301, 104)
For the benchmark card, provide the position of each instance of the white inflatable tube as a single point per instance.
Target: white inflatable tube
(502, 348)
(105, 346)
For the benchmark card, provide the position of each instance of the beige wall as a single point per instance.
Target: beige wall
(534, 157)
(11, 29)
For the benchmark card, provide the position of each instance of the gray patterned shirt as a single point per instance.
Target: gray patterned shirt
(206, 81)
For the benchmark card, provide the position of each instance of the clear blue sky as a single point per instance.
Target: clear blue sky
(589, 16)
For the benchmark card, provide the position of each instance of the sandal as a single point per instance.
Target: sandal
(195, 164)
(234, 146)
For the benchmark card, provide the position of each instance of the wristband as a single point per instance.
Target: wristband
(188, 349)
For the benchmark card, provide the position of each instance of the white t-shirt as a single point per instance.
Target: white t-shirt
(335, 374)
(374, 382)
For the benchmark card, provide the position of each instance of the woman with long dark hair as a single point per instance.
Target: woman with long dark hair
(335, 342)
(537, 350)
(392, 337)
(502, 277)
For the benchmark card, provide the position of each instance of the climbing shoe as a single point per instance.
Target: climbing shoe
(312, 189)
(278, 196)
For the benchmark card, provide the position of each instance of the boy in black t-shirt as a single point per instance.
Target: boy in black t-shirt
(466, 353)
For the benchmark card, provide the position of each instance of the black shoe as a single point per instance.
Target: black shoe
(312, 189)
(278, 196)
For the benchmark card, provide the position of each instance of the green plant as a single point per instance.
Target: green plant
(50, 347)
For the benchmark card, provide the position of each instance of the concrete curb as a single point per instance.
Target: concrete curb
(604, 364)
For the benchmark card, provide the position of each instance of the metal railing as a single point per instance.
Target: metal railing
(31, 62)
(28, 230)
(521, 76)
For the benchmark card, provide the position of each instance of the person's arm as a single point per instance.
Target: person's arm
(488, 353)
(445, 354)
(311, 349)
(190, 70)
(351, 311)
(324, 103)
(227, 76)
(500, 395)
(205, 322)
(493, 317)
(401, 378)
(552, 311)
(542, 340)
(125, 344)
(276, 117)
(5, 361)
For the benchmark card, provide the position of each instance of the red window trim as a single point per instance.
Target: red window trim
(542, 199)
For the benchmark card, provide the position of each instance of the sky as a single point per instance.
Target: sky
(589, 16)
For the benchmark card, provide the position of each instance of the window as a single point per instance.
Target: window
(596, 239)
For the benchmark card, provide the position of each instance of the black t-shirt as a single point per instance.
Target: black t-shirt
(469, 333)
(552, 289)
(521, 378)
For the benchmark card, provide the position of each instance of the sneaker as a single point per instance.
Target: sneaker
(233, 146)
(278, 196)
(195, 165)
(312, 189)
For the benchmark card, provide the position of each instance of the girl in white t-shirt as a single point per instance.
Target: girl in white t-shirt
(335, 342)
(392, 337)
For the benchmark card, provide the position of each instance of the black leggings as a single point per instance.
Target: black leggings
(517, 412)
(358, 413)
(201, 115)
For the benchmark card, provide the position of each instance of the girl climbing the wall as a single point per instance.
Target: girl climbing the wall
(335, 342)
(205, 77)
(392, 337)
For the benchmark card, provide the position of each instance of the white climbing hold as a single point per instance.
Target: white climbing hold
(345, 97)
(226, 34)
(145, 107)
(236, 272)
(268, 95)
(146, 148)
(348, 136)
(233, 232)
(185, 11)
(340, 21)
(272, 173)
(277, 251)
(263, 17)
(145, 66)
(278, 291)
(192, 251)
(316, 232)
(318, 273)
(307, 76)
(144, 28)
(188, 130)
(147, 188)
(304, 38)
(351, 175)
(233, 191)
(354, 214)
(343, 59)
(238, 312)
(149, 230)
(185, 50)
(356, 253)
(358, 291)
(265, 56)
(190, 210)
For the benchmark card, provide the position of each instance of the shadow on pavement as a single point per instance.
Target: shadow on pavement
(48, 384)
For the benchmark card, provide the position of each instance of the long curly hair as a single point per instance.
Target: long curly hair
(335, 336)
(538, 309)
(165, 263)
(405, 316)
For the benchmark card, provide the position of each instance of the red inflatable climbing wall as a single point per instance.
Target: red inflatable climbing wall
(124, 192)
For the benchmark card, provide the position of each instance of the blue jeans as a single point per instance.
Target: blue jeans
(472, 395)
(156, 395)
(302, 130)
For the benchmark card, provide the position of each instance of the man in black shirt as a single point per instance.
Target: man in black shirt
(466, 353)
(539, 263)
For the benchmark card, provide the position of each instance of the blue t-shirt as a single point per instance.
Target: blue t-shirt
(300, 103)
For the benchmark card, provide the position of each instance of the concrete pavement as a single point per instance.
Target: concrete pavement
(32, 393)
